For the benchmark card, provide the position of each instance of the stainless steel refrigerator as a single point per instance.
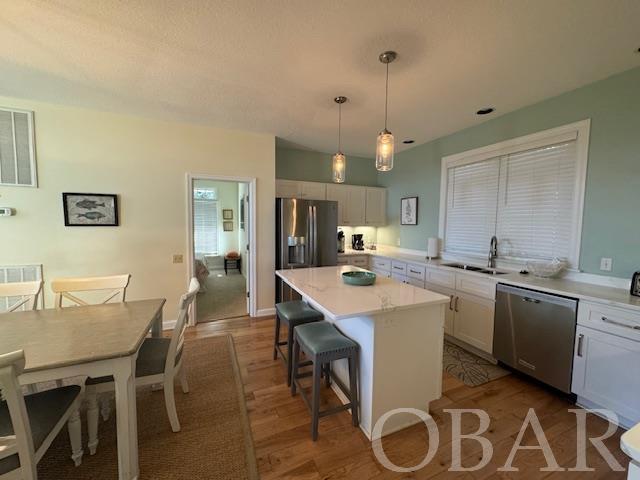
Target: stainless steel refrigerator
(306, 236)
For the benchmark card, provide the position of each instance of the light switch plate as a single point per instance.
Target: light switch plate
(177, 258)
(606, 264)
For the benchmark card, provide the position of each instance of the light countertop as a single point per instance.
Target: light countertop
(324, 289)
(558, 286)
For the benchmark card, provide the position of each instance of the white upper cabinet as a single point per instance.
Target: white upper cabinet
(287, 188)
(376, 206)
(313, 191)
(357, 206)
(338, 193)
(296, 189)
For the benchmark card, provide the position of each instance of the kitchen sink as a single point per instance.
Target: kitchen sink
(472, 268)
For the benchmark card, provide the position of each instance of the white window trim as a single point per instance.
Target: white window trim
(32, 149)
(578, 131)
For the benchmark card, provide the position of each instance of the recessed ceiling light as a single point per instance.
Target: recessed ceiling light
(408, 141)
(485, 111)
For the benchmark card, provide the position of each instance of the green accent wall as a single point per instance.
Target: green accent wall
(314, 166)
(611, 223)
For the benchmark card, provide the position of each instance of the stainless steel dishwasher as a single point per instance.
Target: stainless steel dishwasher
(534, 333)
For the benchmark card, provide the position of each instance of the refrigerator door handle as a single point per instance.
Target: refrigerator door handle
(314, 252)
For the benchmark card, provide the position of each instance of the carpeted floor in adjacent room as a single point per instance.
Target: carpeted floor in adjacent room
(225, 296)
(215, 441)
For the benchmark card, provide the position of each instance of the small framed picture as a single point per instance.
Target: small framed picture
(635, 284)
(227, 226)
(227, 214)
(90, 209)
(409, 211)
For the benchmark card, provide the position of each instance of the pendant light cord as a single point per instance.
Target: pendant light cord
(339, 126)
(386, 97)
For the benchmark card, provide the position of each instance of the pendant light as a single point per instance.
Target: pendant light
(339, 160)
(384, 145)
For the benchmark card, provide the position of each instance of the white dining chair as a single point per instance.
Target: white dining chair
(28, 424)
(67, 288)
(160, 361)
(27, 291)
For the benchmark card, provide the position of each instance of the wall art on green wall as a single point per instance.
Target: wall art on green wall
(409, 211)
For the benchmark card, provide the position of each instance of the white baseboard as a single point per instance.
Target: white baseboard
(266, 312)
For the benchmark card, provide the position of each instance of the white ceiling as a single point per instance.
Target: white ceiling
(274, 66)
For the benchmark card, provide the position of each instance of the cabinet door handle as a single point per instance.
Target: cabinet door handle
(456, 304)
(620, 324)
(397, 268)
(530, 300)
(413, 271)
(451, 302)
(580, 342)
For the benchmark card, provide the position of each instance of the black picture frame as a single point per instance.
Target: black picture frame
(96, 208)
(635, 284)
(411, 217)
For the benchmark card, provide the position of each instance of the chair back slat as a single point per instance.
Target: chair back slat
(27, 291)
(12, 365)
(177, 337)
(64, 288)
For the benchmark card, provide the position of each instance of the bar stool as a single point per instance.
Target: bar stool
(322, 343)
(292, 314)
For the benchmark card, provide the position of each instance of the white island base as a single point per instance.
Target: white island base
(400, 330)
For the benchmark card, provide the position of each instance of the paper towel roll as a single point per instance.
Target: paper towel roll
(432, 248)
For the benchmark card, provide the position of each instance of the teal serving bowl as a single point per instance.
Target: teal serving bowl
(359, 278)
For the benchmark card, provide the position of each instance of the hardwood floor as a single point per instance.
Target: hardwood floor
(280, 425)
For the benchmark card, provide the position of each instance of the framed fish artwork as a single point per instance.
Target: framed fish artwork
(90, 209)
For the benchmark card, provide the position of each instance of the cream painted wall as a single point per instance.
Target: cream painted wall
(145, 162)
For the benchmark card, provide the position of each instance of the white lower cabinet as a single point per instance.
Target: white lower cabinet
(605, 373)
(449, 313)
(473, 321)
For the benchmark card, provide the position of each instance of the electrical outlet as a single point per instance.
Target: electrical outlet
(605, 264)
(177, 258)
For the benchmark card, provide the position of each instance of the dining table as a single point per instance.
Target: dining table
(89, 341)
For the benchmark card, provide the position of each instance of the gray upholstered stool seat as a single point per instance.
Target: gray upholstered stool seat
(292, 314)
(44, 410)
(322, 343)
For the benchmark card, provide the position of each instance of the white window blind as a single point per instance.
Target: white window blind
(528, 199)
(205, 222)
(536, 208)
(17, 165)
(471, 206)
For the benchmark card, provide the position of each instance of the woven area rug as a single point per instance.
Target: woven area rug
(469, 368)
(214, 443)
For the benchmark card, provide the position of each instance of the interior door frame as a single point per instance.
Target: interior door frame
(251, 181)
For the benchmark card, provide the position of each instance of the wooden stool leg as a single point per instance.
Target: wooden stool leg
(277, 339)
(295, 359)
(353, 388)
(289, 352)
(315, 402)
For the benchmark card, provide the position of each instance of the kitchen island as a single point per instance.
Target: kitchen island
(400, 330)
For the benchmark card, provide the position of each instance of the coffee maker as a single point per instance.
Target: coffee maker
(357, 242)
(340, 241)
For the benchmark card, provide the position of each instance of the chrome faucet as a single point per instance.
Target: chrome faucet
(493, 252)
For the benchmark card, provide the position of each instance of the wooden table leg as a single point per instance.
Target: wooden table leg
(126, 417)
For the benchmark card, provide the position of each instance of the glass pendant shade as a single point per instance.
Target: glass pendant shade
(339, 167)
(384, 151)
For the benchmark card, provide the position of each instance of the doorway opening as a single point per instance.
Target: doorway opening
(220, 239)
